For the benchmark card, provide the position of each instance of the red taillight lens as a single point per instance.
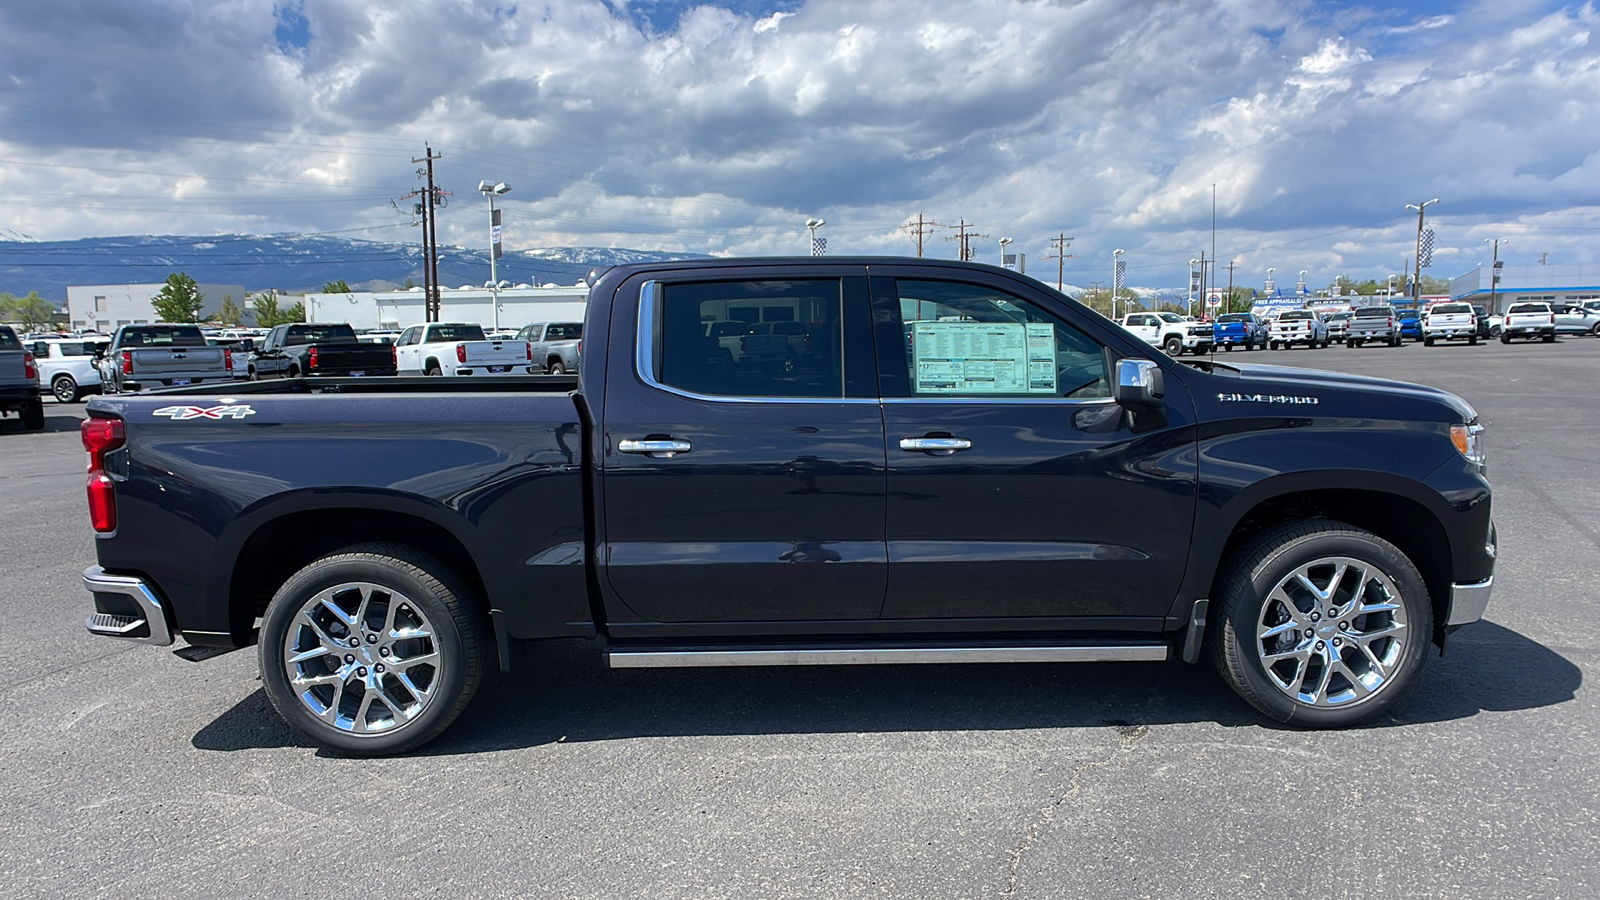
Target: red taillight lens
(580, 346)
(394, 356)
(29, 371)
(311, 357)
(530, 351)
(127, 362)
(101, 436)
(461, 353)
(227, 358)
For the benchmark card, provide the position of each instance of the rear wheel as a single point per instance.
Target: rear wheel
(433, 368)
(64, 388)
(1550, 338)
(554, 367)
(1427, 342)
(1322, 625)
(372, 650)
(33, 415)
(1472, 341)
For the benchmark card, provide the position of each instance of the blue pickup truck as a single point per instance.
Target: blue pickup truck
(1241, 330)
(963, 465)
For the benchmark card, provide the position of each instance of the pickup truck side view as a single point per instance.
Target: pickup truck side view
(19, 381)
(1020, 481)
(1171, 332)
(1529, 320)
(458, 348)
(326, 349)
(1373, 323)
(169, 355)
(1449, 322)
(555, 345)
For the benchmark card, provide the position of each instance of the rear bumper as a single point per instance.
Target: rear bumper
(16, 398)
(127, 607)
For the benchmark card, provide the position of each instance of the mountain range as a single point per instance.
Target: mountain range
(295, 264)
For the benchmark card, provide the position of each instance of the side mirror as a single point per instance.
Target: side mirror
(1139, 385)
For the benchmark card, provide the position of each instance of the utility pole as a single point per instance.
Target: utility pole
(432, 198)
(923, 228)
(1494, 271)
(964, 239)
(1060, 244)
(1416, 285)
(1227, 306)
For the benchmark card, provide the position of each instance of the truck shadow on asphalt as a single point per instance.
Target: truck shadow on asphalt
(54, 424)
(562, 692)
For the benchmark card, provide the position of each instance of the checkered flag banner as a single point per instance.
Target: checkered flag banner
(819, 246)
(1121, 267)
(1427, 248)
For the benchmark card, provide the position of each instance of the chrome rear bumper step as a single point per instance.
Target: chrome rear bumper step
(657, 658)
(126, 607)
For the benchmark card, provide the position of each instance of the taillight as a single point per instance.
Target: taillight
(127, 362)
(101, 436)
(29, 371)
(461, 353)
(530, 351)
(1391, 321)
(394, 356)
(580, 347)
(227, 358)
(311, 357)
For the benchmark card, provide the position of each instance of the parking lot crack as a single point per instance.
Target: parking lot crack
(1127, 737)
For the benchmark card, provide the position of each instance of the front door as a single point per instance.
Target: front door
(1016, 487)
(740, 488)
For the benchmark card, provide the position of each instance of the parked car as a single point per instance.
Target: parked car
(306, 349)
(1339, 325)
(167, 355)
(1410, 323)
(1240, 329)
(19, 381)
(66, 365)
(1574, 319)
(1373, 323)
(1297, 326)
(557, 346)
(1449, 322)
(459, 348)
(1529, 320)
(1171, 332)
(880, 507)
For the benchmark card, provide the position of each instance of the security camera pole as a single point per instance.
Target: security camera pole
(491, 190)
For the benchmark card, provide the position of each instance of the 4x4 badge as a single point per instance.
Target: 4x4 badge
(175, 413)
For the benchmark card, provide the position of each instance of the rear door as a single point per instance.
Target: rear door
(741, 490)
(1016, 487)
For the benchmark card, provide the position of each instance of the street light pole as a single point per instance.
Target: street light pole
(1003, 242)
(1192, 264)
(492, 190)
(813, 224)
(1416, 284)
(1115, 258)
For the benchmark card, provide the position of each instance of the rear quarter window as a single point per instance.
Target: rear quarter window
(8, 339)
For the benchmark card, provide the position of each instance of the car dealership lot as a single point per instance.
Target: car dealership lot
(124, 769)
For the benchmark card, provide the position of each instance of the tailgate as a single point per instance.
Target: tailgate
(765, 344)
(166, 362)
(11, 371)
(354, 356)
(496, 353)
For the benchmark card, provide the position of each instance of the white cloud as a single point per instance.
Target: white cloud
(1107, 120)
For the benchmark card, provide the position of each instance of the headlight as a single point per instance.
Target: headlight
(1469, 440)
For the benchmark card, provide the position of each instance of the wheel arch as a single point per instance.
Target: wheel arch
(1402, 520)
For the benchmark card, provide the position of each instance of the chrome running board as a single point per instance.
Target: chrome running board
(657, 658)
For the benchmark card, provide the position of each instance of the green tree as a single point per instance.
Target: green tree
(179, 300)
(410, 284)
(230, 313)
(32, 312)
(266, 307)
(336, 287)
(295, 313)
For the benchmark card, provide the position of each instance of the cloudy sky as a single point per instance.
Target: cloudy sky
(719, 127)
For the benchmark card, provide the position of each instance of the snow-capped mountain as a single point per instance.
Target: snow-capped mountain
(290, 263)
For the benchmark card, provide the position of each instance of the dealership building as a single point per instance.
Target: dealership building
(107, 307)
(517, 306)
(1555, 284)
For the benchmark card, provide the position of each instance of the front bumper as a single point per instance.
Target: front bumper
(127, 607)
(1468, 602)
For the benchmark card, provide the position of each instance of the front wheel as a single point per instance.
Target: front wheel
(433, 369)
(65, 389)
(1173, 345)
(372, 650)
(1505, 338)
(1323, 625)
(1550, 338)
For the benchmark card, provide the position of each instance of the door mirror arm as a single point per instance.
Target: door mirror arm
(1141, 390)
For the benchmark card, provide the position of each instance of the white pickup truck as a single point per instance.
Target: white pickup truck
(459, 348)
(1171, 332)
(1297, 326)
(1529, 320)
(1449, 322)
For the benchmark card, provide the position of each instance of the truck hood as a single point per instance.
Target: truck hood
(1264, 378)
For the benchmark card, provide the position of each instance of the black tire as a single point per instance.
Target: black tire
(1472, 341)
(1250, 600)
(1173, 345)
(65, 388)
(1550, 338)
(252, 374)
(1496, 331)
(433, 368)
(404, 585)
(1427, 342)
(33, 415)
(554, 367)
(1227, 348)
(292, 372)
(1505, 338)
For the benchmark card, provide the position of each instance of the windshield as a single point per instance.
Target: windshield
(1171, 317)
(440, 334)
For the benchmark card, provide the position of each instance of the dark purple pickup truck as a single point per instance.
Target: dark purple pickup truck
(958, 464)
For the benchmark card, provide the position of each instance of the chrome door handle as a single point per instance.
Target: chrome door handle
(659, 449)
(935, 444)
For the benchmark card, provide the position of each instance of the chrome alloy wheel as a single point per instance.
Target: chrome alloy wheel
(362, 658)
(1332, 632)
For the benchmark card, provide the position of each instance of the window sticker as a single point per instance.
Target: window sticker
(984, 357)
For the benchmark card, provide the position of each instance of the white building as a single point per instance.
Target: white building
(1556, 284)
(107, 307)
(393, 310)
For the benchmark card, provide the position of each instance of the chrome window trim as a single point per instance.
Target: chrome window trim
(644, 361)
(978, 398)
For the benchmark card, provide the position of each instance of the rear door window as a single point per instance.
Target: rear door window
(703, 341)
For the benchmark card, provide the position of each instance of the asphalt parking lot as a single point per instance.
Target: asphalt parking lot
(127, 772)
